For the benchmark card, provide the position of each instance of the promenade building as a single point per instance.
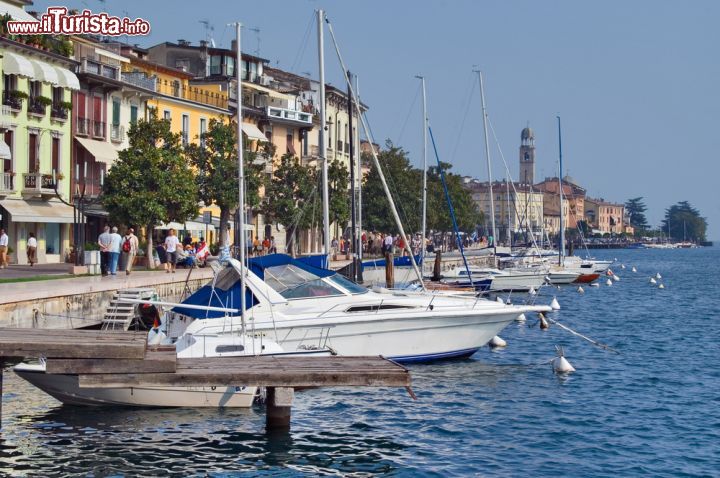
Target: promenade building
(605, 217)
(35, 152)
(573, 199)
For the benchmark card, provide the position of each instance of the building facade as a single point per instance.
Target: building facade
(605, 217)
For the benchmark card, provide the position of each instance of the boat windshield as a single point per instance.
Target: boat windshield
(348, 285)
(294, 283)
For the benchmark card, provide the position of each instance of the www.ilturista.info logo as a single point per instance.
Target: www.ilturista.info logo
(58, 21)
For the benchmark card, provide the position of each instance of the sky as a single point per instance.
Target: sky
(635, 83)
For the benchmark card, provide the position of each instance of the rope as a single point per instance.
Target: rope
(303, 45)
(594, 342)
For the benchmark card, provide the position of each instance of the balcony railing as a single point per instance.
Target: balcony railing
(98, 129)
(192, 93)
(117, 133)
(6, 183)
(59, 112)
(100, 69)
(82, 126)
(38, 183)
(140, 80)
(9, 99)
(289, 115)
(36, 107)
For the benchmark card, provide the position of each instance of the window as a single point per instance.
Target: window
(203, 130)
(7, 165)
(215, 64)
(35, 89)
(52, 238)
(305, 145)
(33, 164)
(133, 114)
(56, 154)
(185, 129)
(230, 70)
(58, 96)
(116, 111)
(10, 82)
(289, 140)
(167, 116)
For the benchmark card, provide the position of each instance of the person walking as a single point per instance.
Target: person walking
(171, 245)
(130, 248)
(32, 249)
(273, 246)
(104, 243)
(114, 250)
(3, 249)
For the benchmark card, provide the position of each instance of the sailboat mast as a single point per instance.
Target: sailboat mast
(355, 237)
(424, 186)
(560, 191)
(509, 217)
(241, 175)
(356, 138)
(489, 169)
(321, 137)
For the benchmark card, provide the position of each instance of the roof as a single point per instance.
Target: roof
(602, 202)
(160, 67)
(527, 133)
(212, 50)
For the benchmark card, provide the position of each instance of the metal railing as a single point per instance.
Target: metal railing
(36, 107)
(117, 133)
(9, 99)
(6, 182)
(98, 129)
(100, 69)
(140, 79)
(59, 112)
(82, 126)
(192, 93)
(38, 182)
(289, 115)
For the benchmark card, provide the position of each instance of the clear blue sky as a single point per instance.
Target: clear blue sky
(636, 83)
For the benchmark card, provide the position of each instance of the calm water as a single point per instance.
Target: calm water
(653, 410)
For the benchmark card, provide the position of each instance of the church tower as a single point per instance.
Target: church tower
(527, 156)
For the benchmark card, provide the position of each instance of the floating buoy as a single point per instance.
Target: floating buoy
(661, 286)
(658, 276)
(497, 342)
(608, 282)
(547, 279)
(520, 318)
(615, 260)
(499, 300)
(532, 291)
(555, 305)
(560, 363)
(581, 290)
(594, 284)
(633, 269)
(615, 278)
(543, 321)
(622, 266)
(608, 272)
(653, 281)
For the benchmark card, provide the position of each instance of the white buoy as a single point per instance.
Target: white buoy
(555, 305)
(653, 281)
(499, 300)
(497, 342)
(622, 266)
(608, 282)
(615, 260)
(594, 284)
(532, 291)
(543, 321)
(581, 290)
(560, 363)
(520, 318)
(633, 269)
(661, 286)
(658, 276)
(615, 278)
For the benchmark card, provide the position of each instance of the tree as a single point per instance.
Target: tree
(467, 214)
(216, 160)
(683, 222)
(292, 190)
(338, 194)
(635, 209)
(150, 182)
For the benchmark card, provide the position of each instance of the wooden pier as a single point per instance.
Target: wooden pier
(104, 359)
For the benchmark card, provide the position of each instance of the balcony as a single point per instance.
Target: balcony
(6, 183)
(117, 133)
(98, 129)
(287, 115)
(97, 68)
(38, 184)
(58, 112)
(11, 99)
(140, 80)
(36, 107)
(82, 126)
(192, 93)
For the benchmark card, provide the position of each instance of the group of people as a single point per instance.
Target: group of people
(112, 245)
(264, 247)
(377, 243)
(173, 252)
(31, 249)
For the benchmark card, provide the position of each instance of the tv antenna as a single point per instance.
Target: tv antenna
(209, 28)
(257, 37)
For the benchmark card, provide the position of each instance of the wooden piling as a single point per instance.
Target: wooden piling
(278, 407)
(2, 366)
(389, 271)
(437, 265)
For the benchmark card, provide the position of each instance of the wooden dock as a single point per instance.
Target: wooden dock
(105, 359)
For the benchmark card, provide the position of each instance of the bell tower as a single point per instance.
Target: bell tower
(527, 156)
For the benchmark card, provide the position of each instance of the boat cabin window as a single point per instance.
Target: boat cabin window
(348, 285)
(294, 283)
(224, 349)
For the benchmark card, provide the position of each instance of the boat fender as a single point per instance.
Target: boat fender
(543, 321)
(155, 336)
(499, 300)
(615, 278)
(520, 318)
(497, 341)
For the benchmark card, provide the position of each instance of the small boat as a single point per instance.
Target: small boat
(519, 280)
(562, 276)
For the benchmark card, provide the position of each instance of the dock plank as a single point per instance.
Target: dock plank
(22, 343)
(154, 362)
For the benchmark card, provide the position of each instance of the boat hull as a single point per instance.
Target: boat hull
(587, 278)
(66, 389)
(562, 278)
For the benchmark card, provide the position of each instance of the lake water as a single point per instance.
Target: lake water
(652, 410)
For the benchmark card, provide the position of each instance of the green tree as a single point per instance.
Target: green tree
(635, 209)
(683, 222)
(215, 158)
(151, 182)
(289, 196)
(338, 194)
(466, 211)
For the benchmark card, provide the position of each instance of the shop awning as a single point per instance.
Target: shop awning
(253, 132)
(17, 13)
(101, 151)
(21, 210)
(4, 150)
(14, 64)
(67, 78)
(45, 72)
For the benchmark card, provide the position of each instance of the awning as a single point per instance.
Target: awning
(14, 64)
(253, 132)
(45, 72)
(17, 13)
(102, 151)
(180, 226)
(67, 78)
(38, 211)
(4, 150)
(114, 56)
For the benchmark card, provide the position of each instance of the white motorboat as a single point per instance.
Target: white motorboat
(65, 387)
(561, 276)
(520, 280)
(300, 306)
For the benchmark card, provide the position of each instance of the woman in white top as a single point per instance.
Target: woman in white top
(171, 243)
(32, 249)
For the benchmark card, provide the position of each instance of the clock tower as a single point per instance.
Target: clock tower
(527, 156)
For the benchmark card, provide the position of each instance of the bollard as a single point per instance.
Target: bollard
(389, 271)
(436, 267)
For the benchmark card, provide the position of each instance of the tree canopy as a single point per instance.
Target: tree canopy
(635, 209)
(683, 222)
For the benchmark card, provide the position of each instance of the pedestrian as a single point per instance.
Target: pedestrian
(31, 249)
(104, 243)
(130, 248)
(388, 244)
(273, 247)
(266, 245)
(3, 249)
(187, 240)
(171, 245)
(334, 245)
(256, 246)
(114, 250)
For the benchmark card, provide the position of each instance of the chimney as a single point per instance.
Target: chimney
(182, 42)
(203, 43)
(233, 45)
